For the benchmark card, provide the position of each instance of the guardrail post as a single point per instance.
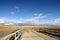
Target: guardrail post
(7, 39)
(14, 36)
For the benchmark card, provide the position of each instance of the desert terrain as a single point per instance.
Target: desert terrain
(6, 30)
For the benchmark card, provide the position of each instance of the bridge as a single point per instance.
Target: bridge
(27, 34)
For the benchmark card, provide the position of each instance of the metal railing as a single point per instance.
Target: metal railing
(14, 36)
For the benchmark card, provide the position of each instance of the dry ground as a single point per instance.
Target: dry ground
(53, 27)
(39, 27)
(5, 30)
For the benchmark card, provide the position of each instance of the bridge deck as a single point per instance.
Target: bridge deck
(30, 35)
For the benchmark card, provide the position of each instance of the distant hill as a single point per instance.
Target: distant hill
(34, 26)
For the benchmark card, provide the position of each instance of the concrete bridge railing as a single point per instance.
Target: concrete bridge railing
(14, 36)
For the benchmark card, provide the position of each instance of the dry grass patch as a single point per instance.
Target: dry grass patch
(5, 30)
(38, 27)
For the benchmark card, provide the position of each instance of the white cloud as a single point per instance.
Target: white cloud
(35, 20)
(15, 10)
(1, 21)
(17, 7)
(35, 14)
(38, 16)
(7, 21)
(54, 21)
(31, 21)
(12, 12)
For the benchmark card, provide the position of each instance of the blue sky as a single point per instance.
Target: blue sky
(27, 9)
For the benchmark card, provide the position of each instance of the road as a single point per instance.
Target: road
(33, 35)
